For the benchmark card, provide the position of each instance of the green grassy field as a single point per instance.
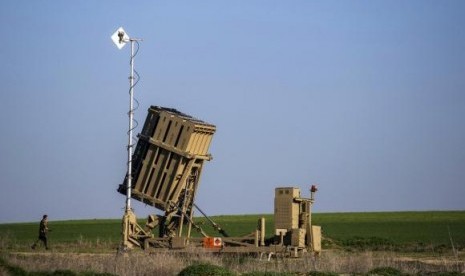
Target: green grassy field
(342, 229)
(400, 227)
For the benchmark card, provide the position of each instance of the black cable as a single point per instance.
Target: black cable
(135, 81)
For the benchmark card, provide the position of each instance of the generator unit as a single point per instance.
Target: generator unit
(292, 219)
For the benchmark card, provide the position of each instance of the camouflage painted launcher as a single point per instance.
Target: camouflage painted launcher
(167, 164)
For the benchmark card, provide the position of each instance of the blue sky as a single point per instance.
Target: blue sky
(366, 99)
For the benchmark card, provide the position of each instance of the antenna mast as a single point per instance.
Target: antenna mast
(120, 38)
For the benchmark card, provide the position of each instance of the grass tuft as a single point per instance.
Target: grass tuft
(205, 270)
(318, 273)
(14, 270)
(268, 273)
(386, 271)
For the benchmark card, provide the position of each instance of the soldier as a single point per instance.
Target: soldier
(43, 230)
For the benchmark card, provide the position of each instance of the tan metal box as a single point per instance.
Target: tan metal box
(169, 157)
(316, 238)
(178, 242)
(298, 237)
(286, 213)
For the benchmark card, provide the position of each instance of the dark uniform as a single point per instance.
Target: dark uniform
(43, 230)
